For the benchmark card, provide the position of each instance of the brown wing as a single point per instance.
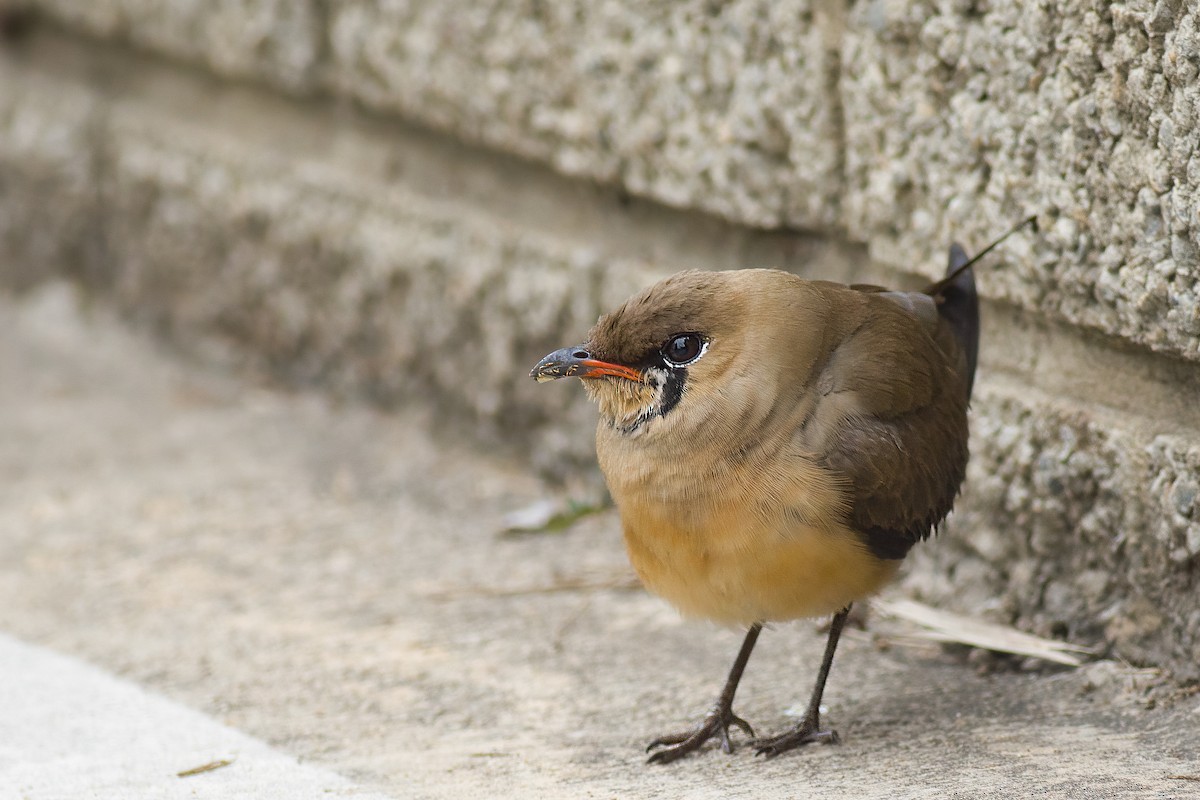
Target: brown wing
(891, 421)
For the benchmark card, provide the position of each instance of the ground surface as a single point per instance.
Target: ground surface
(332, 580)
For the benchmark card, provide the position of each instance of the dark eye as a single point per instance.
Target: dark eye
(682, 348)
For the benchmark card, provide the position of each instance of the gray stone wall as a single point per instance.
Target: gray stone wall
(413, 201)
(1085, 112)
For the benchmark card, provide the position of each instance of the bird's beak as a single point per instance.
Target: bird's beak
(577, 362)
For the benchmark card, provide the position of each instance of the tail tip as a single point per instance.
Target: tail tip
(958, 257)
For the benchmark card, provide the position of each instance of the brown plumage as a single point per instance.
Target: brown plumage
(775, 445)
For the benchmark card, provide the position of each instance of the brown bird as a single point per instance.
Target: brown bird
(775, 446)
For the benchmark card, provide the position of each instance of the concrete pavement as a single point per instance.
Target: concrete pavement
(71, 731)
(332, 581)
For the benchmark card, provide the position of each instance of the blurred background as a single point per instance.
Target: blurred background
(408, 203)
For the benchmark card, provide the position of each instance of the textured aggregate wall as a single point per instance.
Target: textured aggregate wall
(720, 106)
(1077, 528)
(330, 247)
(383, 292)
(274, 40)
(1087, 112)
(723, 107)
(47, 192)
(902, 124)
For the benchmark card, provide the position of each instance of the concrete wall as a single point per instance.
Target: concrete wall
(415, 200)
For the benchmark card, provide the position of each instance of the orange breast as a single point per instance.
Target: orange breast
(733, 535)
(733, 569)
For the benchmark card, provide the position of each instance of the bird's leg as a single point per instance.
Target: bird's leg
(809, 728)
(677, 745)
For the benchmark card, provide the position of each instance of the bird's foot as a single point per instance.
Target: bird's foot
(808, 731)
(715, 725)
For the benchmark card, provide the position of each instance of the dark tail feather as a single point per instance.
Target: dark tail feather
(959, 306)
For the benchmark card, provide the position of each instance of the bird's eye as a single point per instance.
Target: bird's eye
(682, 348)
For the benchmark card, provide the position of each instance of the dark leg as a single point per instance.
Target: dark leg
(809, 728)
(718, 720)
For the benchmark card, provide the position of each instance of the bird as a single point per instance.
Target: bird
(775, 446)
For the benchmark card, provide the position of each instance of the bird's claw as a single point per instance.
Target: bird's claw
(806, 732)
(716, 724)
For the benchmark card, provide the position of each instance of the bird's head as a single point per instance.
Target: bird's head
(652, 359)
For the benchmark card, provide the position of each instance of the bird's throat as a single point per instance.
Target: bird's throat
(626, 406)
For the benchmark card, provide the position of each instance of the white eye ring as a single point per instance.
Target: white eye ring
(683, 349)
